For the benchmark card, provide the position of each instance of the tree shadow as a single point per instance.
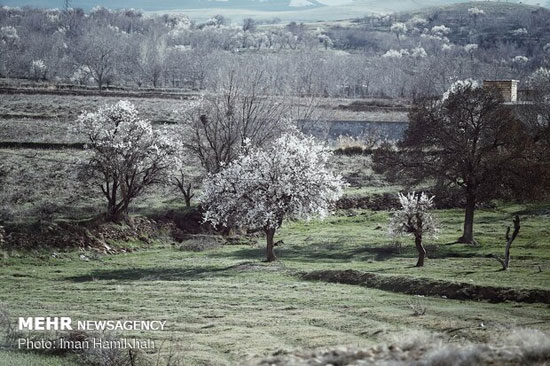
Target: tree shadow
(155, 274)
(319, 252)
(451, 243)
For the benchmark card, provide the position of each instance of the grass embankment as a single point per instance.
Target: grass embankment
(224, 305)
(359, 241)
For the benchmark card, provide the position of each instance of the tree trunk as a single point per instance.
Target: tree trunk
(112, 212)
(113, 215)
(509, 239)
(420, 249)
(187, 194)
(468, 234)
(270, 233)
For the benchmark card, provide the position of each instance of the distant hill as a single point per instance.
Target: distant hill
(285, 10)
(492, 8)
(255, 5)
(525, 26)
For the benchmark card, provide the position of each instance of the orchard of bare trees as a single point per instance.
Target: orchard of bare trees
(374, 56)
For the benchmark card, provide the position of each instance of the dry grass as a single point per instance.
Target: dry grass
(517, 347)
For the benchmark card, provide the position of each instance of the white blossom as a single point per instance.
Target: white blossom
(471, 47)
(8, 34)
(440, 30)
(398, 28)
(38, 69)
(396, 54)
(520, 32)
(520, 60)
(126, 154)
(476, 11)
(414, 216)
(418, 52)
(289, 179)
(460, 85)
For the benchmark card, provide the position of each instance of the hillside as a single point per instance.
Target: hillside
(284, 10)
(513, 29)
(525, 26)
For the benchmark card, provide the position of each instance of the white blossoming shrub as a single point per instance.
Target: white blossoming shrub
(418, 52)
(520, 32)
(126, 154)
(460, 86)
(396, 54)
(520, 60)
(440, 30)
(476, 11)
(289, 179)
(8, 34)
(38, 70)
(414, 218)
(471, 47)
(398, 28)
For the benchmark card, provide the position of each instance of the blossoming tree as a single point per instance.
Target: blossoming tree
(126, 154)
(289, 179)
(414, 218)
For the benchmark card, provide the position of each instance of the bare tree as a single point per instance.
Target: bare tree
(509, 240)
(249, 24)
(97, 52)
(185, 186)
(216, 128)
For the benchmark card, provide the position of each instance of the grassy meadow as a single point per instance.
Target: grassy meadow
(224, 305)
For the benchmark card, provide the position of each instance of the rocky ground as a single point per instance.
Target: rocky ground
(519, 347)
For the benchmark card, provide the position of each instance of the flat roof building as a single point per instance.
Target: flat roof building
(508, 88)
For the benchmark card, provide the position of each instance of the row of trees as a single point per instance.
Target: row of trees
(128, 154)
(262, 172)
(125, 48)
(257, 188)
(253, 187)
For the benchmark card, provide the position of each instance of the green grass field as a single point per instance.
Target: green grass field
(225, 306)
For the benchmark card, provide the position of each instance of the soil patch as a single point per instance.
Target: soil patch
(89, 235)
